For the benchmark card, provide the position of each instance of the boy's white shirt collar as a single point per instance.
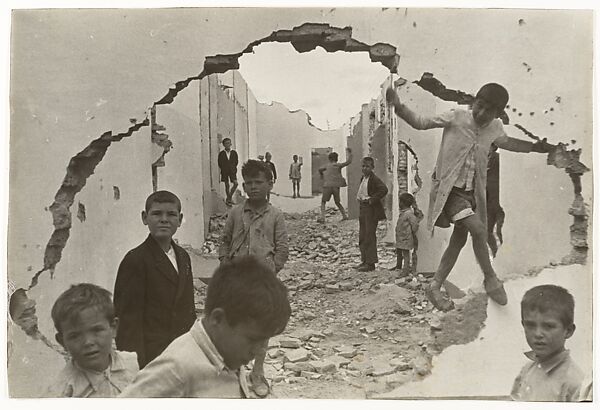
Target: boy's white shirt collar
(550, 363)
(81, 384)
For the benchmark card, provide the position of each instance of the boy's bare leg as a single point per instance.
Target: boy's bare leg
(227, 192)
(493, 285)
(457, 242)
(233, 188)
(342, 210)
(406, 266)
(322, 217)
(257, 375)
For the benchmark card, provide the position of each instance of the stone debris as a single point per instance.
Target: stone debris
(297, 355)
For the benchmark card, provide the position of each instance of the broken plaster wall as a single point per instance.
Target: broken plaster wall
(182, 173)
(284, 133)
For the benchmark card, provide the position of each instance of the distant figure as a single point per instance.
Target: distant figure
(331, 174)
(85, 322)
(551, 375)
(154, 292)
(370, 193)
(406, 234)
(268, 157)
(459, 180)
(495, 213)
(261, 158)
(296, 175)
(228, 162)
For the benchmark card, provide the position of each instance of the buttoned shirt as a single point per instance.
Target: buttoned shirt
(73, 381)
(467, 172)
(557, 378)
(363, 193)
(259, 232)
(190, 367)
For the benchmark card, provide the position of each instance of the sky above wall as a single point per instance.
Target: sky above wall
(330, 87)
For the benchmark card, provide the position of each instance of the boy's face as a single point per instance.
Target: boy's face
(162, 219)
(88, 338)
(257, 186)
(367, 168)
(484, 112)
(227, 144)
(237, 344)
(545, 332)
(268, 157)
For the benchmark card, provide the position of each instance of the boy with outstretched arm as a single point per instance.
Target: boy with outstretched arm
(459, 180)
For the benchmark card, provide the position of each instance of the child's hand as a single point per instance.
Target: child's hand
(391, 96)
(542, 146)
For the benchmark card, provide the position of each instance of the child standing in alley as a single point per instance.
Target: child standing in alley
(551, 375)
(256, 228)
(459, 180)
(295, 176)
(331, 174)
(85, 322)
(228, 162)
(406, 234)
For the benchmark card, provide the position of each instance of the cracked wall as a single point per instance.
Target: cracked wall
(51, 121)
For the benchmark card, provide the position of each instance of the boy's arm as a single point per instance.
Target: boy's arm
(234, 158)
(380, 190)
(281, 243)
(129, 302)
(321, 171)
(348, 158)
(274, 172)
(226, 236)
(416, 121)
(160, 378)
(517, 145)
(220, 159)
(291, 167)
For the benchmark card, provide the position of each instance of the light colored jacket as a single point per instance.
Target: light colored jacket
(460, 134)
(262, 234)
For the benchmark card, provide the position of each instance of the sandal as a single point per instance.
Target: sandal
(496, 292)
(261, 386)
(438, 300)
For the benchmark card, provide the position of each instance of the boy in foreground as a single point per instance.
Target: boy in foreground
(245, 306)
(547, 317)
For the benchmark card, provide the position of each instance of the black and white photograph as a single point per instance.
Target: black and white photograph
(299, 202)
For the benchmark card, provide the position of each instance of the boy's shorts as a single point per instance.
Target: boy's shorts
(328, 191)
(459, 205)
(228, 177)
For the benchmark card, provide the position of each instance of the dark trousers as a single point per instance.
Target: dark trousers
(367, 234)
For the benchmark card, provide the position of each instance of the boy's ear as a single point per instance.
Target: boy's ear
(217, 317)
(115, 326)
(570, 330)
(180, 218)
(59, 338)
(144, 217)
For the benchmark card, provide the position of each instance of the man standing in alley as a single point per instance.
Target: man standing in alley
(268, 157)
(370, 193)
(228, 162)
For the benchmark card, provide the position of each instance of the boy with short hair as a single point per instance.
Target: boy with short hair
(245, 306)
(256, 228)
(547, 317)
(296, 175)
(85, 322)
(370, 193)
(459, 180)
(331, 174)
(154, 292)
(228, 162)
